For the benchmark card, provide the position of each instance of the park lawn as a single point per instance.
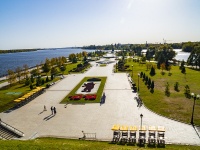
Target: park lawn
(99, 92)
(176, 106)
(71, 66)
(57, 143)
(2, 81)
(103, 65)
(7, 100)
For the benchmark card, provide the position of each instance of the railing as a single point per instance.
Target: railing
(9, 127)
(88, 136)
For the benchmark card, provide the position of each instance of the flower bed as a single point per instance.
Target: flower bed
(76, 97)
(80, 96)
(90, 97)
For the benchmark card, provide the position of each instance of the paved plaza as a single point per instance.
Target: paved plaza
(70, 120)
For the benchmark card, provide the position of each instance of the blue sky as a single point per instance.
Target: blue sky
(63, 23)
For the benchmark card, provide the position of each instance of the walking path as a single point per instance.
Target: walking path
(70, 120)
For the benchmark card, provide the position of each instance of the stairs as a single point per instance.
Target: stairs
(8, 132)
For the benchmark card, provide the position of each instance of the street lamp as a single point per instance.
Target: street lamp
(192, 122)
(141, 115)
(138, 82)
(132, 70)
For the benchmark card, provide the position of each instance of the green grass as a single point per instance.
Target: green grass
(56, 143)
(103, 65)
(2, 81)
(6, 100)
(176, 106)
(71, 66)
(99, 92)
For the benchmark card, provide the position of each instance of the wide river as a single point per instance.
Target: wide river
(13, 60)
(33, 58)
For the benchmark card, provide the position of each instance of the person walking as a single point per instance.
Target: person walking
(45, 109)
(54, 110)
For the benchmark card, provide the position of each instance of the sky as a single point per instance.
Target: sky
(68, 23)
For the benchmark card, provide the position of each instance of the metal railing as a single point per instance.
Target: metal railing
(10, 128)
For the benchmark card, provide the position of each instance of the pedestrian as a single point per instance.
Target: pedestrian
(54, 110)
(45, 109)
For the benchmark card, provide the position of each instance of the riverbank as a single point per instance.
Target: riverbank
(31, 59)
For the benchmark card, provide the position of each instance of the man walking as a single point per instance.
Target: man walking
(52, 110)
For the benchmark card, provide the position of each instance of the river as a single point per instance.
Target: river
(181, 55)
(33, 58)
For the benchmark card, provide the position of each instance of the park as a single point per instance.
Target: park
(80, 111)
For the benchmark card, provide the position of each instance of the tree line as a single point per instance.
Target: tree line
(16, 51)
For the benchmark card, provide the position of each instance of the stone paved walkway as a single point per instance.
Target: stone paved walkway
(119, 108)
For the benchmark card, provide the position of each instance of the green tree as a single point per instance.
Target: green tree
(152, 72)
(11, 77)
(32, 79)
(25, 71)
(188, 47)
(164, 54)
(162, 66)
(47, 79)
(31, 86)
(194, 58)
(18, 71)
(72, 57)
(149, 82)
(54, 71)
(152, 85)
(27, 81)
(63, 68)
(187, 91)
(47, 66)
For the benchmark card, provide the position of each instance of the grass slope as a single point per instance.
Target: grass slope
(176, 106)
(55, 143)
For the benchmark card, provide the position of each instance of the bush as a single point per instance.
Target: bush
(47, 85)
(52, 77)
(42, 81)
(183, 70)
(27, 82)
(47, 79)
(167, 91)
(141, 74)
(31, 86)
(94, 79)
(176, 85)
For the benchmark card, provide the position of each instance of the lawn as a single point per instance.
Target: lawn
(82, 100)
(176, 106)
(6, 99)
(4, 80)
(56, 143)
(72, 66)
(103, 65)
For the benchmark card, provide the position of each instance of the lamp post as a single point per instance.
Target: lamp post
(192, 122)
(132, 70)
(141, 115)
(138, 82)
